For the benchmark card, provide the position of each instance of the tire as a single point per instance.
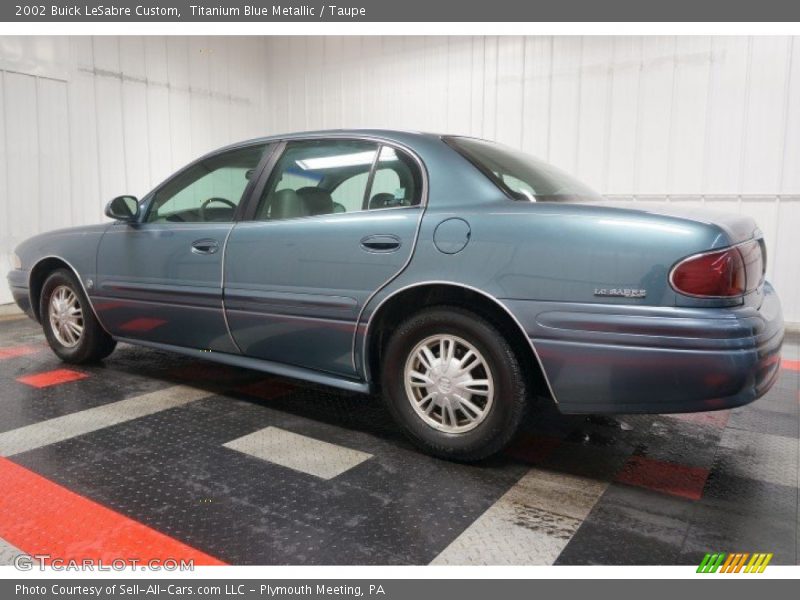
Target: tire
(92, 343)
(501, 401)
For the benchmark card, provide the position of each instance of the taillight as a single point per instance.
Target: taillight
(720, 273)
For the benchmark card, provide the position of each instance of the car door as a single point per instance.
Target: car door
(334, 220)
(160, 279)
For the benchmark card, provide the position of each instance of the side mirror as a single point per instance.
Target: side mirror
(123, 208)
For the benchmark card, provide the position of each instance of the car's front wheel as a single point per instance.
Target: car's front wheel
(71, 329)
(454, 383)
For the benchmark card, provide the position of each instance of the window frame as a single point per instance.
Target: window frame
(270, 147)
(370, 173)
(249, 211)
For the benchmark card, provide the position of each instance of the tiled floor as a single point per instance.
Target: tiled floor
(228, 465)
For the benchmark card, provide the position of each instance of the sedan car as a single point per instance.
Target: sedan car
(458, 278)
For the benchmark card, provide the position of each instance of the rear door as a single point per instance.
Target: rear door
(160, 280)
(334, 220)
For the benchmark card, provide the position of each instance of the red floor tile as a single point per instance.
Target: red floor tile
(49, 378)
(41, 517)
(664, 477)
(792, 365)
(15, 351)
(141, 325)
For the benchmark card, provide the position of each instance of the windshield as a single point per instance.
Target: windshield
(521, 176)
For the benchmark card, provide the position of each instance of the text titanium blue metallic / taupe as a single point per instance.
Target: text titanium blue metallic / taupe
(584, 291)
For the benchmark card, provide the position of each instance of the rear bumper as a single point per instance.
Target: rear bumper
(614, 359)
(18, 283)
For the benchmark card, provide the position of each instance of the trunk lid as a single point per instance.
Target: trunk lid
(739, 228)
(741, 236)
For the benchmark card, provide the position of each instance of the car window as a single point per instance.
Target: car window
(521, 176)
(347, 192)
(304, 179)
(397, 181)
(336, 176)
(208, 191)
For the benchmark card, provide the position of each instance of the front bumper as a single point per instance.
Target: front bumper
(18, 283)
(614, 359)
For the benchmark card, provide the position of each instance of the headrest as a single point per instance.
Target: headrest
(287, 205)
(382, 200)
(317, 201)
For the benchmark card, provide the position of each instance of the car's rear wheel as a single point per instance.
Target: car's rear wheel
(454, 383)
(71, 329)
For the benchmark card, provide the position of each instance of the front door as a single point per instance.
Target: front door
(335, 221)
(160, 280)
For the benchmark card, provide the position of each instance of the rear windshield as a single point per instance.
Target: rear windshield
(521, 176)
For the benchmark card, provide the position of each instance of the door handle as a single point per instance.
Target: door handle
(381, 243)
(205, 246)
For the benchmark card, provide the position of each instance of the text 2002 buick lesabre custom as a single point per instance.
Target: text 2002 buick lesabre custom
(460, 277)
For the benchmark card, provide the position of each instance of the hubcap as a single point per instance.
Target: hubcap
(449, 384)
(66, 316)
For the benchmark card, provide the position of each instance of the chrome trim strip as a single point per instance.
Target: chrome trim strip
(467, 287)
(77, 275)
(222, 290)
(254, 222)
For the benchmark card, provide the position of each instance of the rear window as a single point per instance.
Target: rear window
(520, 175)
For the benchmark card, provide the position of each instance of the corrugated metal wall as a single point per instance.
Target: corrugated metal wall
(688, 119)
(711, 120)
(85, 119)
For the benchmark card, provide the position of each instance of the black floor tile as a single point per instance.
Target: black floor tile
(720, 530)
(169, 469)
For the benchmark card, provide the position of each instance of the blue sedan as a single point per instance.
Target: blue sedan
(459, 278)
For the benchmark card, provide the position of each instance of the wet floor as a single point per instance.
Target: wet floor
(245, 468)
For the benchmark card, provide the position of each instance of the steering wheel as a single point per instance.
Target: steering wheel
(209, 201)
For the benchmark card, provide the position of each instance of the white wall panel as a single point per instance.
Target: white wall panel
(158, 132)
(136, 138)
(477, 82)
(459, 85)
(765, 116)
(785, 258)
(22, 166)
(510, 90)
(535, 128)
(488, 87)
(790, 172)
(728, 77)
(656, 90)
(331, 82)
(112, 162)
(85, 119)
(55, 201)
(594, 102)
(691, 120)
(622, 151)
(5, 207)
(687, 132)
(83, 149)
(711, 120)
(565, 94)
